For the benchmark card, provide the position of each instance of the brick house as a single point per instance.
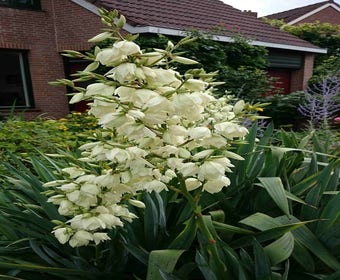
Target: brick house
(33, 33)
(324, 12)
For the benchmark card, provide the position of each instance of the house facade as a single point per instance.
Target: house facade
(324, 12)
(33, 33)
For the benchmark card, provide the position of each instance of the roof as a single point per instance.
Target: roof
(290, 16)
(171, 17)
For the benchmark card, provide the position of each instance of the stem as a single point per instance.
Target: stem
(193, 203)
(212, 244)
(97, 254)
(202, 226)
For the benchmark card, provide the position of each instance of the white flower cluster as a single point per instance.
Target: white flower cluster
(158, 125)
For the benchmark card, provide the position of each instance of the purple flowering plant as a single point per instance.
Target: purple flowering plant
(322, 102)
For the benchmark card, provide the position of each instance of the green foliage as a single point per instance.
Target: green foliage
(212, 53)
(324, 35)
(44, 135)
(322, 142)
(328, 67)
(278, 218)
(247, 83)
(283, 109)
(20, 136)
(274, 22)
(239, 64)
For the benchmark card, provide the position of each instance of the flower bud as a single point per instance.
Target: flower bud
(137, 203)
(100, 37)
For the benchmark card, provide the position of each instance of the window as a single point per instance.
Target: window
(15, 86)
(72, 66)
(21, 4)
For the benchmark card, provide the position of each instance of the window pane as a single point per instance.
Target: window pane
(13, 80)
(29, 4)
(4, 2)
(24, 2)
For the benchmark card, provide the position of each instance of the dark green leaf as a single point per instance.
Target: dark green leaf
(309, 240)
(303, 257)
(262, 263)
(275, 189)
(185, 238)
(221, 227)
(204, 267)
(151, 219)
(162, 260)
(281, 249)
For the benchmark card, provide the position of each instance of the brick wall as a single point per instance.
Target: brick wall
(328, 14)
(299, 78)
(60, 25)
(44, 34)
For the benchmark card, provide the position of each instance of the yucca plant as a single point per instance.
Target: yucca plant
(257, 223)
(272, 222)
(28, 249)
(299, 186)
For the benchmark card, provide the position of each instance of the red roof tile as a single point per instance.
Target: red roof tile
(203, 15)
(293, 14)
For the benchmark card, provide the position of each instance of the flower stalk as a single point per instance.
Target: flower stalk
(157, 126)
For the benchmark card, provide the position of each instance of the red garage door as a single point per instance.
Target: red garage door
(283, 78)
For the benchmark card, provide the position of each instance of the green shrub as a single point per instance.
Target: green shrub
(24, 138)
(283, 109)
(19, 136)
(246, 82)
(239, 64)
